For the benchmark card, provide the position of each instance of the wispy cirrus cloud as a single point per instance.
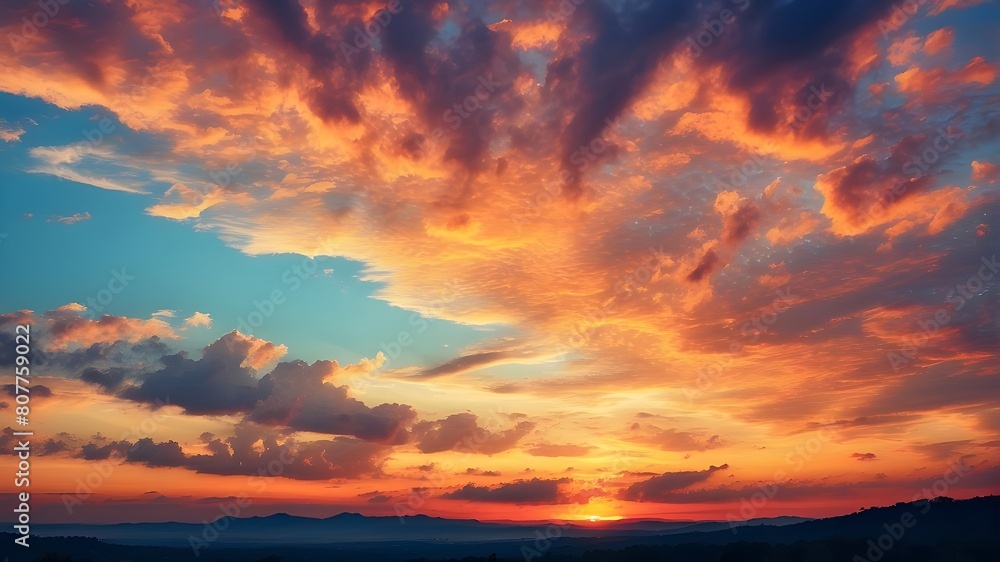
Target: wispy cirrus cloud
(70, 219)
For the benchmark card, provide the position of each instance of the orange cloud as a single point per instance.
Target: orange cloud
(985, 172)
(935, 84)
(790, 229)
(902, 50)
(943, 5)
(67, 328)
(939, 40)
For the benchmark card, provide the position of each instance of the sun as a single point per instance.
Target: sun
(600, 518)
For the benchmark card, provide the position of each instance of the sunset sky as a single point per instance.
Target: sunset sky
(512, 259)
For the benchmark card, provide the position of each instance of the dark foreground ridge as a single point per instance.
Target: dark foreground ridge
(942, 530)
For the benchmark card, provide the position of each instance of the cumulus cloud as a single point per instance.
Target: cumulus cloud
(67, 327)
(59, 443)
(109, 379)
(253, 451)
(37, 390)
(985, 172)
(106, 329)
(297, 395)
(219, 382)
(461, 432)
(294, 394)
(939, 40)
(341, 457)
(534, 491)
(870, 192)
(198, 320)
(936, 84)
(740, 216)
(10, 133)
(182, 202)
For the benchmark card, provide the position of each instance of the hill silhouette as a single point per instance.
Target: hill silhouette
(942, 530)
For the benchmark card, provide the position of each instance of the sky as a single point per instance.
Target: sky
(508, 260)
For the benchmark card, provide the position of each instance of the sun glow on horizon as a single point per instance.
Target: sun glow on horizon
(498, 267)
